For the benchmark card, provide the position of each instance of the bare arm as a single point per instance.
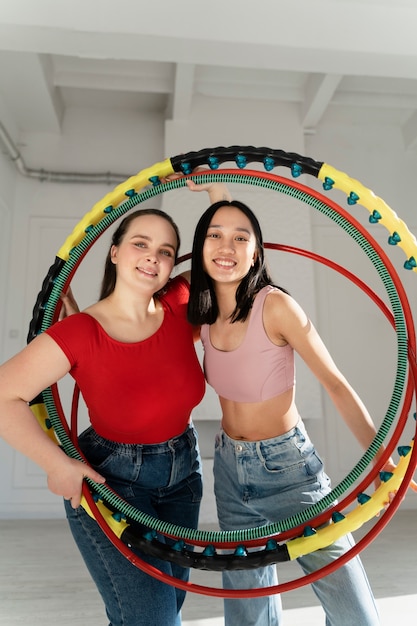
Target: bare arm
(285, 321)
(216, 191)
(22, 378)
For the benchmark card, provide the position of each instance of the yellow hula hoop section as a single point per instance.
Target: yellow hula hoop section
(362, 513)
(129, 187)
(381, 213)
(40, 412)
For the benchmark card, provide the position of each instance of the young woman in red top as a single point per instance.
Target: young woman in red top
(132, 355)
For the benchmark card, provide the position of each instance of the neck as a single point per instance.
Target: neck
(138, 308)
(226, 300)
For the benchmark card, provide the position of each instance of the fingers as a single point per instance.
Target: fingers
(67, 480)
(392, 494)
(173, 176)
(62, 314)
(69, 304)
(75, 499)
(413, 486)
(89, 472)
(192, 186)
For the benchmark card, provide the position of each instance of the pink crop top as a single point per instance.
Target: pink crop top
(257, 370)
(140, 392)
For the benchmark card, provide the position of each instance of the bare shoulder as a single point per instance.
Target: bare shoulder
(97, 308)
(186, 275)
(91, 309)
(278, 301)
(282, 316)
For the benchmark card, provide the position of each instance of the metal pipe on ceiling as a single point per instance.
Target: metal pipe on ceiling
(43, 175)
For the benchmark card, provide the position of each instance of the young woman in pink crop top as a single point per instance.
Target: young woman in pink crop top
(132, 355)
(265, 466)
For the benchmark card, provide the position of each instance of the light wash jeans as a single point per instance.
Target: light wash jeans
(263, 482)
(163, 480)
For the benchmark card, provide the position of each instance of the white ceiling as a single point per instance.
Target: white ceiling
(336, 60)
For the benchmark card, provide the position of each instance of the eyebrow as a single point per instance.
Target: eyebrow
(240, 228)
(147, 238)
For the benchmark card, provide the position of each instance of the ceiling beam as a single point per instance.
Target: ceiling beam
(181, 99)
(27, 82)
(319, 92)
(409, 132)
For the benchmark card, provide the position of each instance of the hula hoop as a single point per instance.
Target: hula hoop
(283, 185)
(111, 207)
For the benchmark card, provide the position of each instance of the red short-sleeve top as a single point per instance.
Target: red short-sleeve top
(140, 392)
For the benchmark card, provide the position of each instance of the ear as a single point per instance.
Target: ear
(113, 254)
(255, 258)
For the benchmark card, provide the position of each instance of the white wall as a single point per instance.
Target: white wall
(356, 332)
(39, 216)
(42, 216)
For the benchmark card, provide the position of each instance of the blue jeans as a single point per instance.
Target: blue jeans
(263, 482)
(163, 480)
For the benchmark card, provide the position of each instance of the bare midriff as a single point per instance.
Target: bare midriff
(255, 421)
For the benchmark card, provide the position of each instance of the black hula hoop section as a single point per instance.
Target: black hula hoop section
(114, 205)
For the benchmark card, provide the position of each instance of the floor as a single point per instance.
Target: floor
(44, 582)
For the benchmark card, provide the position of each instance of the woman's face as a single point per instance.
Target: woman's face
(229, 248)
(146, 255)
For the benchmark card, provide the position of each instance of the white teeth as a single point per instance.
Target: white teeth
(225, 263)
(147, 272)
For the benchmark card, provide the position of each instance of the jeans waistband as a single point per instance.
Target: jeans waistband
(226, 439)
(188, 437)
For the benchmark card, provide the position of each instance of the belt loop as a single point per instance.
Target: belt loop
(222, 438)
(219, 439)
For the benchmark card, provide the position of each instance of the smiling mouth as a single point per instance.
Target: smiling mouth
(147, 272)
(224, 264)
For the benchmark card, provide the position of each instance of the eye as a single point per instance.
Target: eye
(240, 238)
(140, 244)
(166, 253)
(213, 236)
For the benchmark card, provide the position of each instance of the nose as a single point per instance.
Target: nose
(152, 257)
(227, 245)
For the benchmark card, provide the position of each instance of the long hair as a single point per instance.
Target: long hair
(203, 307)
(109, 277)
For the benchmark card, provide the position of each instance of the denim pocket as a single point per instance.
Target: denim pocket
(98, 454)
(313, 463)
(294, 453)
(195, 487)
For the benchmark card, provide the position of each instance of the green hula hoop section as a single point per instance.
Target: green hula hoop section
(146, 185)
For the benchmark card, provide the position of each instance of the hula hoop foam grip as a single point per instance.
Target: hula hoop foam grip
(145, 539)
(42, 299)
(380, 212)
(185, 163)
(40, 412)
(243, 155)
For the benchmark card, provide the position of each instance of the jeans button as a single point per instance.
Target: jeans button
(239, 448)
